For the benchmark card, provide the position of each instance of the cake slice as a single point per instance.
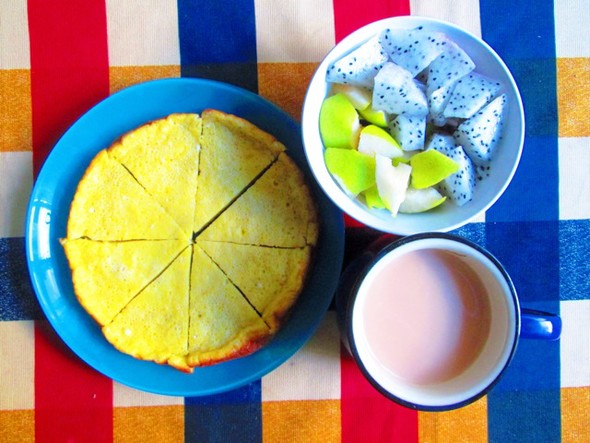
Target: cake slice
(277, 210)
(109, 204)
(223, 325)
(270, 278)
(154, 325)
(163, 156)
(107, 275)
(234, 152)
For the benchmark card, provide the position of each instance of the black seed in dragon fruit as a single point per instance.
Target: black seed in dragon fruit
(470, 94)
(360, 66)
(409, 131)
(395, 92)
(458, 187)
(480, 134)
(413, 50)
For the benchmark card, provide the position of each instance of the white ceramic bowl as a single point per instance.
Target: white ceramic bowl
(448, 216)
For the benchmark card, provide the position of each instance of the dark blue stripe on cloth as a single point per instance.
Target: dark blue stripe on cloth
(521, 416)
(522, 228)
(218, 41)
(526, 405)
(513, 27)
(533, 193)
(17, 298)
(530, 253)
(537, 83)
(530, 55)
(232, 416)
(574, 259)
(529, 52)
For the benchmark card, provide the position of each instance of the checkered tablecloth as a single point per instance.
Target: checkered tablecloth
(58, 58)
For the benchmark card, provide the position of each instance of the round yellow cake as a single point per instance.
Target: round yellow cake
(190, 238)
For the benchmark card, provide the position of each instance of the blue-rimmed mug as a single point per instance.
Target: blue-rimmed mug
(506, 322)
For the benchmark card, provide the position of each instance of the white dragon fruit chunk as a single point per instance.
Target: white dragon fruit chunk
(409, 131)
(443, 74)
(448, 67)
(441, 142)
(470, 94)
(413, 50)
(437, 102)
(458, 187)
(395, 92)
(360, 66)
(479, 135)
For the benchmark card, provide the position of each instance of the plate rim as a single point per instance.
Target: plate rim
(325, 207)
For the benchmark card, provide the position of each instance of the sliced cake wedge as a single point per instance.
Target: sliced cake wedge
(277, 210)
(154, 325)
(223, 325)
(233, 153)
(107, 275)
(163, 156)
(270, 278)
(109, 204)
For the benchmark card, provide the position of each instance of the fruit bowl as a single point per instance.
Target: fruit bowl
(449, 215)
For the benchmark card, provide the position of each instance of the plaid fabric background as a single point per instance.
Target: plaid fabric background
(58, 58)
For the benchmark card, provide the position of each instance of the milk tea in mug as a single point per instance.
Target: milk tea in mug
(433, 320)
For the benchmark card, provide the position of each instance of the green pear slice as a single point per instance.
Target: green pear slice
(392, 182)
(430, 167)
(421, 200)
(375, 140)
(353, 170)
(374, 116)
(372, 198)
(359, 97)
(339, 122)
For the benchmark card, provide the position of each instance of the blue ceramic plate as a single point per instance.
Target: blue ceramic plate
(48, 213)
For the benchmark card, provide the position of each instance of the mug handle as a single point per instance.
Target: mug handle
(539, 325)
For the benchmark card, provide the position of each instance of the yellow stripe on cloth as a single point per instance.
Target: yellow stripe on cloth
(15, 110)
(123, 76)
(285, 84)
(573, 96)
(575, 414)
(301, 421)
(157, 424)
(469, 423)
(17, 426)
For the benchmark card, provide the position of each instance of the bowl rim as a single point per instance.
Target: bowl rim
(328, 184)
